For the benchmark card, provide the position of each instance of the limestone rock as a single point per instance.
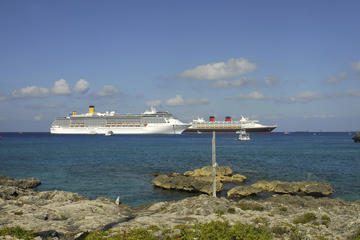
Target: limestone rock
(306, 188)
(207, 171)
(243, 191)
(20, 183)
(186, 183)
(233, 178)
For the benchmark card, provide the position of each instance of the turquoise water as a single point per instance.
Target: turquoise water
(96, 165)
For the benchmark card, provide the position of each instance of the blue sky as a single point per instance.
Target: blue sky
(291, 63)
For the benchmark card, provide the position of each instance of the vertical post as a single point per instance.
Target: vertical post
(214, 164)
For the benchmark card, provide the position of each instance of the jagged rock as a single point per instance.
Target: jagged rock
(233, 178)
(186, 183)
(207, 171)
(20, 183)
(243, 191)
(356, 138)
(11, 192)
(307, 188)
(316, 188)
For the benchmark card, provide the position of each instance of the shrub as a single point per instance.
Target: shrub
(325, 220)
(283, 209)
(219, 212)
(307, 217)
(279, 230)
(231, 210)
(17, 232)
(250, 206)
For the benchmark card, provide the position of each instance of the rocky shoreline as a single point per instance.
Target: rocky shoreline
(66, 215)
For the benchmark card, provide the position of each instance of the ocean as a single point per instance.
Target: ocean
(122, 165)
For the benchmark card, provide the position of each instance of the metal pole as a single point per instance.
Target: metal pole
(214, 164)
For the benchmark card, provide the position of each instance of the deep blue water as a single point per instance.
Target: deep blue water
(96, 165)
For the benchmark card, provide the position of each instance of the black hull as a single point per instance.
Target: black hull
(227, 131)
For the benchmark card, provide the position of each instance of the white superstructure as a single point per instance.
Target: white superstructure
(109, 123)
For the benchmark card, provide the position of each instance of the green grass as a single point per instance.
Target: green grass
(215, 230)
(357, 235)
(250, 206)
(306, 218)
(219, 212)
(17, 232)
(325, 220)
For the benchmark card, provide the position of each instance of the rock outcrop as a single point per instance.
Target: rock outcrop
(243, 191)
(65, 215)
(186, 183)
(312, 188)
(199, 180)
(11, 188)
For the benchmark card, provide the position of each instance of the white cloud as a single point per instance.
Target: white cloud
(2, 97)
(356, 66)
(336, 78)
(304, 97)
(61, 87)
(107, 91)
(271, 81)
(215, 71)
(193, 101)
(321, 116)
(31, 91)
(38, 117)
(236, 83)
(178, 100)
(353, 92)
(255, 95)
(153, 103)
(81, 86)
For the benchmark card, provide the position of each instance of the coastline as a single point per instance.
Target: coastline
(68, 215)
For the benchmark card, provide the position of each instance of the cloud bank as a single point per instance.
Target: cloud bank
(81, 86)
(178, 100)
(244, 81)
(220, 70)
(107, 91)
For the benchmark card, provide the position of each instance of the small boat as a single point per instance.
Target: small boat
(109, 133)
(243, 136)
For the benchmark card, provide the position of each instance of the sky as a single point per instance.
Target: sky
(295, 64)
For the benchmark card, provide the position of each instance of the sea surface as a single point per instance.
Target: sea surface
(122, 165)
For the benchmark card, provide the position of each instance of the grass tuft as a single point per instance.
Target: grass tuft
(17, 232)
(250, 206)
(306, 218)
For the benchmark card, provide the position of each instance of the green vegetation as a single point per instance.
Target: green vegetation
(295, 234)
(306, 218)
(262, 220)
(231, 210)
(215, 230)
(283, 209)
(63, 217)
(250, 206)
(325, 220)
(279, 230)
(219, 212)
(357, 235)
(17, 232)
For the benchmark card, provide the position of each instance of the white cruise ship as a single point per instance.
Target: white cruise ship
(109, 123)
(200, 126)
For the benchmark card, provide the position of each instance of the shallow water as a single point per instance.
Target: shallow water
(96, 165)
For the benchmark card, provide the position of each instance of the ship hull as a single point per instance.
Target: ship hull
(149, 129)
(228, 130)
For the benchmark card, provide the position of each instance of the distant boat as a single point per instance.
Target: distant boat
(286, 132)
(243, 136)
(109, 133)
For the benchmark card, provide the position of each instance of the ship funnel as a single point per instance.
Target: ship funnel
(74, 113)
(91, 109)
(227, 119)
(211, 119)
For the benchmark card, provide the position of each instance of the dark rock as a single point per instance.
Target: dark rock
(356, 138)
